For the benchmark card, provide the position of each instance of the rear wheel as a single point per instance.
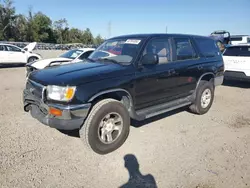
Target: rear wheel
(204, 98)
(106, 127)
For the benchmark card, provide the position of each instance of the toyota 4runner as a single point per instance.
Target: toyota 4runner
(151, 74)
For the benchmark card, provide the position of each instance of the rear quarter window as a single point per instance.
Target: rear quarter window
(237, 51)
(207, 47)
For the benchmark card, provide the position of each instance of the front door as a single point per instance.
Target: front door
(16, 55)
(156, 83)
(3, 54)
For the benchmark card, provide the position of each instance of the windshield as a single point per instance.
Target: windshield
(71, 54)
(120, 50)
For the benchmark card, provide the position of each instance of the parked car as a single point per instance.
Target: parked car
(71, 56)
(237, 62)
(240, 39)
(222, 38)
(13, 54)
(154, 73)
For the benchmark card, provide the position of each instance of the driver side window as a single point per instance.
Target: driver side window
(160, 47)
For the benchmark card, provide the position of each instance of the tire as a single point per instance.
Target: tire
(197, 107)
(90, 132)
(31, 59)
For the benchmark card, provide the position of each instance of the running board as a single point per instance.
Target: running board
(163, 108)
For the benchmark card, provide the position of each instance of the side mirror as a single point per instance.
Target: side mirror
(150, 59)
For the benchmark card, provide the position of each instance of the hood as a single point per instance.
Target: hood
(80, 73)
(30, 47)
(41, 64)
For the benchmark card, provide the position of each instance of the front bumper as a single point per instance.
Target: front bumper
(73, 116)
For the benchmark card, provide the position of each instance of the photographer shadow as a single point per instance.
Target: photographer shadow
(136, 179)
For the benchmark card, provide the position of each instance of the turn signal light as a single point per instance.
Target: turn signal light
(55, 112)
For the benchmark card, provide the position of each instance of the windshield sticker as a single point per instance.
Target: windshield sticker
(132, 41)
(74, 55)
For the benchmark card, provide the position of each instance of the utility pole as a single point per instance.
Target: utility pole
(166, 29)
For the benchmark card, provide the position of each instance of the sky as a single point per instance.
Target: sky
(149, 16)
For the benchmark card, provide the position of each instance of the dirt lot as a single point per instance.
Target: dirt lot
(178, 149)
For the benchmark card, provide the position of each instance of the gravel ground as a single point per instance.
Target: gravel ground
(178, 149)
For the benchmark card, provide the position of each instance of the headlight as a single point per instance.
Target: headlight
(60, 93)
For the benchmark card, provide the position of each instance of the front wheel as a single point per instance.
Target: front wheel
(204, 97)
(106, 127)
(31, 59)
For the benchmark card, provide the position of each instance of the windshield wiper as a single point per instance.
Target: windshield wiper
(107, 59)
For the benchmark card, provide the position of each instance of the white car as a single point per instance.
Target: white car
(240, 39)
(237, 62)
(71, 56)
(13, 54)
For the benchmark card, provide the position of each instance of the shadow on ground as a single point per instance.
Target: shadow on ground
(11, 65)
(134, 123)
(72, 133)
(239, 84)
(136, 179)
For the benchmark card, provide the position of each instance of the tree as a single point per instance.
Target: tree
(61, 28)
(38, 27)
(98, 40)
(43, 25)
(31, 28)
(7, 19)
(75, 35)
(87, 37)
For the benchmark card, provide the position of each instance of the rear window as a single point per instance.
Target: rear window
(237, 51)
(207, 47)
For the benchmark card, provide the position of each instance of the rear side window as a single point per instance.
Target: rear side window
(207, 47)
(184, 49)
(237, 51)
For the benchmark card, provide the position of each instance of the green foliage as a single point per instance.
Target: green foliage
(40, 28)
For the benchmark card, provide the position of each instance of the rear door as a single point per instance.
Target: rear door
(237, 58)
(186, 60)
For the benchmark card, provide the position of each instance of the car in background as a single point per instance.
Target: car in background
(71, 56)
(222, 38)
(10, 53)
(240, 39)
(237, 62)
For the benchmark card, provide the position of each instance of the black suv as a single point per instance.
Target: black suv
(147, 74)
